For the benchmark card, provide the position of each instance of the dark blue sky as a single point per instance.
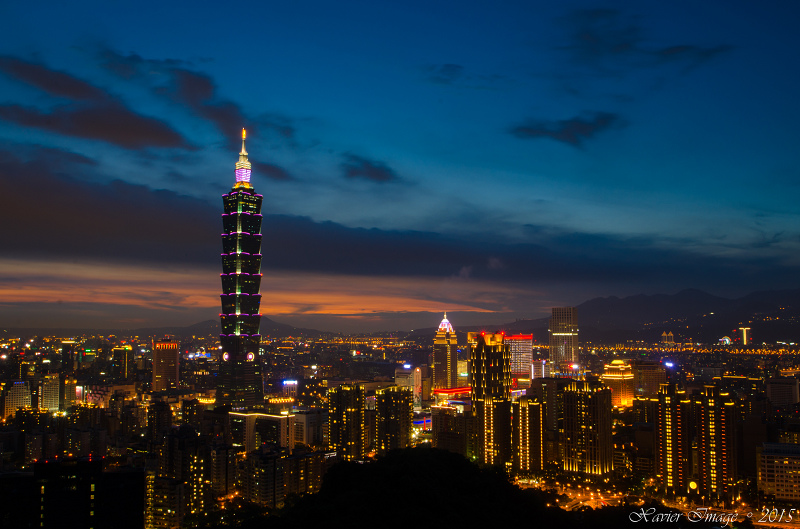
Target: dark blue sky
(414, 157)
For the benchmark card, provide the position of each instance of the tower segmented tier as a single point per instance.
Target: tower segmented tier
(240, 382)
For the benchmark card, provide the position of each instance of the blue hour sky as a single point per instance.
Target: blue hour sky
(491, 160)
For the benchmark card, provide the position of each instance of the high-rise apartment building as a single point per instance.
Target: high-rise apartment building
(393, 406)
(346, 421)
(697, 441)
(490, 381)
(166, 354)
(587, 440)
(673, 438)
(240, 383)
(717, 442)
(563, 339)
(445, 356)
(527, 435)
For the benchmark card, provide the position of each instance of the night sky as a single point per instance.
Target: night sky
(488, 159)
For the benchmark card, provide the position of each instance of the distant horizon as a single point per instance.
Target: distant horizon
(353, 324)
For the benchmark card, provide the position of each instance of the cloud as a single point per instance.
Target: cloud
(444, 73)
(356, 166)
(450, 74)
(610, 42)
(691, 56)
(92, 113)
(132, 65)
(197, 91)
(110, 122)
(275, 172)
(71, 218)
(573, 131)
(55, 83)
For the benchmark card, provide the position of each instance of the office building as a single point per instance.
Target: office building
(540, 369)
(521, 346)
(49, 393)
(252, 430)
(563, 340)
(240, 384)
(69, 393)
(783, 392)
(618, 376)
(445, 356)
(647, 377)
(779, 471)
(123, 360)
(15, 394)
(166, 371)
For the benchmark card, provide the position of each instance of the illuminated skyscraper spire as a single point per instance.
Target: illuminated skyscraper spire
(445, 356)
(243, 167)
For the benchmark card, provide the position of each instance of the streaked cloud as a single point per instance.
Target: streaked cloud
(355, 166)
(574, 131)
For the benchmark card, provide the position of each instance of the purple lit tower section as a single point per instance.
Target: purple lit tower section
(240, 384)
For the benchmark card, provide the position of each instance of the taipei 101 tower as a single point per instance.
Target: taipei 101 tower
(240, 384)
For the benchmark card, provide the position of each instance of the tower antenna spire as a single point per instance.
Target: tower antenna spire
(243, 167)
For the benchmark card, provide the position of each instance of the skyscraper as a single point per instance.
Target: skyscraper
(697, 441)
(445, 356)
(528, 435)
(563, 339)
(587, 428)
(618, 376)
(490, 379)
(240, 383)
(394, 418)
(346, 421)
(123, 357)
(48, 393)
(165, 364)
(521, 355)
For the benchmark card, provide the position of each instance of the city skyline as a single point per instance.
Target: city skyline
(488, 162)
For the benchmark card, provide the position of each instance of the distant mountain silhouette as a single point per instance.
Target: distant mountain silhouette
(690, 315)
